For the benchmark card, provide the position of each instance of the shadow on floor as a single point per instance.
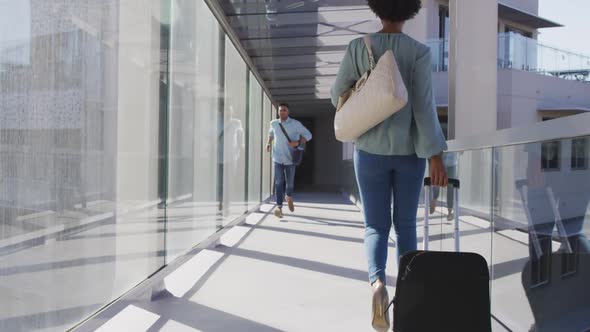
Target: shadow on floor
(49, 319)
(199, 317)
(315, 234)
(315, 198)
(353, 208)
(305, 264)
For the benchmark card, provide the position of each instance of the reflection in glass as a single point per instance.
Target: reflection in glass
(254, 141)
(473, 169)
(15, 34)
(79, 131)
(579, 160)
(541, 247)
(550, 155)
(266, 160)
(194, 75)
(233, 134)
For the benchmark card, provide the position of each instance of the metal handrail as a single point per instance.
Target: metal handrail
(564, 128)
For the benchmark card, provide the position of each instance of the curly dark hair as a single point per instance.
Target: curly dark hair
(395, 10)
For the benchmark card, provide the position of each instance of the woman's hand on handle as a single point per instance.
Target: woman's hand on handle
(438, 174)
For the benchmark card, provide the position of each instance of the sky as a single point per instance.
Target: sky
(575, 16)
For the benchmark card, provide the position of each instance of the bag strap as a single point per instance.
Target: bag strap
(285, 132)
(367, 40)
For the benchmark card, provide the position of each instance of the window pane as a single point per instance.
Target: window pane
(550, 155)
(540, 241)
(79, 132)
(194, 67)
(266, 159)
(254, 141)
(579, 153)
(234, 140)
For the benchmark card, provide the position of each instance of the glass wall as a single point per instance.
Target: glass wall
(266, 160)
(520, 52)
(79, 131)
(194, 72)
(525, 208)
(516, 51)
(255, 141)
(233, 133)
(124, 132)
(541, 250)
(473, 169)
(274, 110)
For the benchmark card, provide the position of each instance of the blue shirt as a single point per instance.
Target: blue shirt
(415, 129)
(281, 151)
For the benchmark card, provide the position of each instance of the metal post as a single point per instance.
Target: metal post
(456, 209)
(426, 212)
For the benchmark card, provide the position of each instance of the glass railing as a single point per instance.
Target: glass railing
(525, 208)
(521, 53)
(439, 51)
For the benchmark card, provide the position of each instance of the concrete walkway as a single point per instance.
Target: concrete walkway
(305, 272)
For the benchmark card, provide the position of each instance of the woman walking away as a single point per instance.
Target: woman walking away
(390, 159)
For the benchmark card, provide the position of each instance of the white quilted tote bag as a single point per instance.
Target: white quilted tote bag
(376, 96)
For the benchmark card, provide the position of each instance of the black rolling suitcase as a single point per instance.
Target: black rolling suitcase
(442, 291)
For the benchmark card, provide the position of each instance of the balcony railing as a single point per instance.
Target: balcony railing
(525, 206)
(521, 53)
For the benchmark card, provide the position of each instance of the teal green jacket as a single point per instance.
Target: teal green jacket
(415, 129)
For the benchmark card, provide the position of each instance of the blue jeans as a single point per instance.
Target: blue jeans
(284, 174)
(381, 180)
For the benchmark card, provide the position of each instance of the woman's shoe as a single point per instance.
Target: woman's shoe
(380, 314)
(279, 213)
(433, 206)
(450, 215)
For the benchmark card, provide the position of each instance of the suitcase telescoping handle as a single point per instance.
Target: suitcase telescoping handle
(455, 184)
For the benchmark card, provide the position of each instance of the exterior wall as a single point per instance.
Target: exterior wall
(521, 94)
(472, 68)
(531, 6)
(425, 25)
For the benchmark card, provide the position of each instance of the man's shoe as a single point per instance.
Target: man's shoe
(380, 314)
(290, 203)
(279, 213)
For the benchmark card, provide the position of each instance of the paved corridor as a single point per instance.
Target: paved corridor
(305, 272)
